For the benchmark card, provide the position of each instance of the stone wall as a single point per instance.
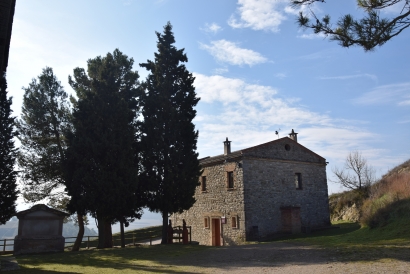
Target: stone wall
(216, 202)
(270, 186)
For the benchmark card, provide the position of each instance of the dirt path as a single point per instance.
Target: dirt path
(284, 258)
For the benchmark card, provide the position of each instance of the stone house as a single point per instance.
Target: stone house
(257, 192)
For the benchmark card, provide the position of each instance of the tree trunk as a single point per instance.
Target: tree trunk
(122, 235)
(104, 233)
(108, 234)
(101, 232)
(80, 234)
(164, 228)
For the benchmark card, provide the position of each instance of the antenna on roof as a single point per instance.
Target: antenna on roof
(277, 132)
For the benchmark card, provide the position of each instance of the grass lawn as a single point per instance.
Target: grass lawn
(352, 243)
(139, 259)
(348, 243)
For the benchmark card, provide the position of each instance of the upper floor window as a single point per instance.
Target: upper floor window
(230, 179)
(298, 180)
(203, 183)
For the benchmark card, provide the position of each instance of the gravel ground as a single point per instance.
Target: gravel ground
(285, 258)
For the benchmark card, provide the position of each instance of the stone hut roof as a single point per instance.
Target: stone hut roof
(42, 207)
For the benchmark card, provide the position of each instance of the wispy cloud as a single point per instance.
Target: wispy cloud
(348, 77)
(220, 70)
(213, 28)
(258, 15)
(397, 94)
(324, 54)
(254, 112)
(127, 2)
(311, 36)
(404, 122)
(280, 75)
(229, 52)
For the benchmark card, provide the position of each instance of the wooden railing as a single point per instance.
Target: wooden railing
(177, 233)
(4, 242)
(87, 242)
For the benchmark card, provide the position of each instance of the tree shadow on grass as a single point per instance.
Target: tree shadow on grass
(193, 259)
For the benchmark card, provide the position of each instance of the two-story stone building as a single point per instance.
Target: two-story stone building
(254, 193)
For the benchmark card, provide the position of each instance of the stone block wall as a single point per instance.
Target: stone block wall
(270, 186)
(216, 202)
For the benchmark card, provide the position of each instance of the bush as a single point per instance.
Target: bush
(388, 198)
(380, 214)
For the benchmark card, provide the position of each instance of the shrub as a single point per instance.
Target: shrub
(388, 198)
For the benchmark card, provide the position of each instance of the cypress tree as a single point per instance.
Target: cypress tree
(170, 166)
(8, 185)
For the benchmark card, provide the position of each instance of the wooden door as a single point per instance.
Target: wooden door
(216, 232)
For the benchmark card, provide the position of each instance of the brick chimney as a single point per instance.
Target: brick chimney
(293, 135)
(227, 147)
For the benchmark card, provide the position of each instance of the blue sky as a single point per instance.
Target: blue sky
(256, 71)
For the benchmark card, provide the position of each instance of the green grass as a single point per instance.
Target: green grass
(349, 243)
(139, 259)
(352, 243)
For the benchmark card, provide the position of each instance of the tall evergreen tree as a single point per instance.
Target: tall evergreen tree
(45, 120)
(101, 161)
(168, 137)
(8, 185)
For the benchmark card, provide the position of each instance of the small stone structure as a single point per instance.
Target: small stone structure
(257, 192)
(40, 230)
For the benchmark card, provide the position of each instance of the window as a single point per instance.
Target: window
(203, 183)
(206, 222)
(298, 180)
(234, 222)
(230, 179)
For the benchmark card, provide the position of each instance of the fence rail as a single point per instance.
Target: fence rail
(87, 242)
(4, 248)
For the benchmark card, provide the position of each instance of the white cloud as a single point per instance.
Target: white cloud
(259, 15)
(347, 77)
(324, 54)
(404, 103)
(214, 28)
(397, 94)
(311, 36)
(220, 70)
(251, 107)
(280, 75)
(404, 122)
(228, 52)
